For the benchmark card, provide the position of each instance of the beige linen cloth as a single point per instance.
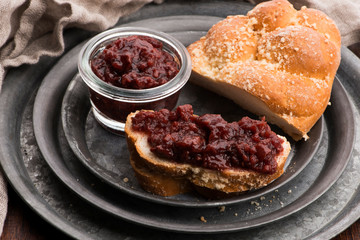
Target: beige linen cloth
(32, 28)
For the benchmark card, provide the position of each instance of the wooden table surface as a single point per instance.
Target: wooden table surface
(23, 223)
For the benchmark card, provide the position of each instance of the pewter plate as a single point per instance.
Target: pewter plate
(32, 178)
(106, 154)
(47, 117)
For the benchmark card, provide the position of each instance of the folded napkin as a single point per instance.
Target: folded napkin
(32, 28)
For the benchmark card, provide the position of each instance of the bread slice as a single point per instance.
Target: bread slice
(166, 178)
(275, 62)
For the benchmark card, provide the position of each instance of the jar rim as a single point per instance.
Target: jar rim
(134, 95)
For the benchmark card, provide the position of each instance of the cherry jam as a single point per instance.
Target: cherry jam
(209, 141)
(135, 62)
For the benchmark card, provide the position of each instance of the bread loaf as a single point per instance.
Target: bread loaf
(275, 62)
(164, 177)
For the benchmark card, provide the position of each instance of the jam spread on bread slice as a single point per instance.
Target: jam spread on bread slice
(209, 141)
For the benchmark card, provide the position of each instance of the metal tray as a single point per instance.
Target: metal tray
(34, 181)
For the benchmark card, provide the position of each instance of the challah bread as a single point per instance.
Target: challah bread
(275, 62)
(165, 177)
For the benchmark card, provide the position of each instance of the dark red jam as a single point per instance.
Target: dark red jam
(209, 141)
(135, 62)
(120, 110)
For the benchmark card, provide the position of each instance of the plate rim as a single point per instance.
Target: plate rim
(32, 199)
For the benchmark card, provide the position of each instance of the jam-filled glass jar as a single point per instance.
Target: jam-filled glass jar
(112, 103)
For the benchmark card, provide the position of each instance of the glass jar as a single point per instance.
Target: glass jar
(112, 104)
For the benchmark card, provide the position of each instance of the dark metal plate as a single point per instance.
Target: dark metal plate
(46, 118)
(106, 154)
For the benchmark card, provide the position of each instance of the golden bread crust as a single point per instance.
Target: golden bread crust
(286, 59)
